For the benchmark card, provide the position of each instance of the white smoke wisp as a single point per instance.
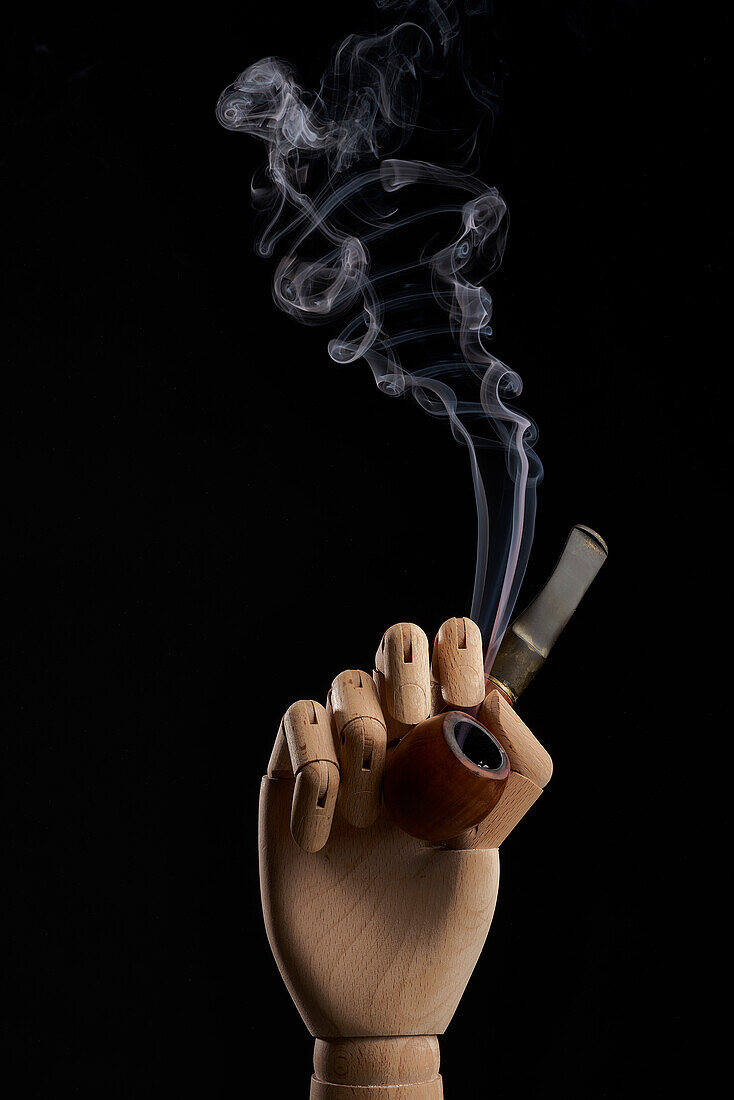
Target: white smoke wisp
(330, 192)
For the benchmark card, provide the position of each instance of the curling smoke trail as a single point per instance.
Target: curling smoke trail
(328, 168)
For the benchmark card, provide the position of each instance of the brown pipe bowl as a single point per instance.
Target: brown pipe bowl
(435, 783)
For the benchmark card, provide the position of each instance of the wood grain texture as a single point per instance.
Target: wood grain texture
(279, 765)
(360, 732)
(399, 1060)
(457, 665)
(306, 734)
(430, 1090)
(314, 798)
(362, 763)
(526, 753)
(395, 730)
(516, 799)
(402, 658)
(431, 789)
(378, 933)
(353, 695)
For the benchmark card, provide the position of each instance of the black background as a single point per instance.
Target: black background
(214, 520)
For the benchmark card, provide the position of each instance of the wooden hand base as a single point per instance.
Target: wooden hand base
(387, 1068)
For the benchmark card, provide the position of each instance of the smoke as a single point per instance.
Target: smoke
(332, 195)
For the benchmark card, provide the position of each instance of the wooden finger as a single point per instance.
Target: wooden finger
(361, 734)
(307, 731)
(457, 665)
(279, 765)
(314, 799)
(403, 661)
(526, 753)
(395, 730)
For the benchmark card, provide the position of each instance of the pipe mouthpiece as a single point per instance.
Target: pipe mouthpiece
(532, 635)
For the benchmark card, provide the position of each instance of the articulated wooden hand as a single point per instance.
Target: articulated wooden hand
(376, 933)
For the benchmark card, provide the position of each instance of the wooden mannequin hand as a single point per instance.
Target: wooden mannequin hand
(375, 932)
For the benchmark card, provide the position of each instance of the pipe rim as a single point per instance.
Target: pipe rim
(455, 718)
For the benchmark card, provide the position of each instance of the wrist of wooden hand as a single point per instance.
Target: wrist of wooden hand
(384, 1068)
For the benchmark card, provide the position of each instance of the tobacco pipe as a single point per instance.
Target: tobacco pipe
(444, 776)
(448, 773)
